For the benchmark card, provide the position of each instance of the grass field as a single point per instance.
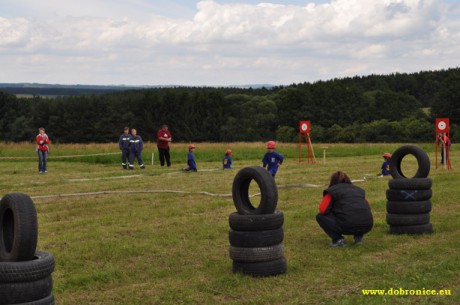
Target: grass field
(171, 248)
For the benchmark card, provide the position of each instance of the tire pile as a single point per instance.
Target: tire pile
(256, 233)
(409, 204)
(25, 274)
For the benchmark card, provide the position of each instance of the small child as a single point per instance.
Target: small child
(227, 162)
(272, 159)
(190, 160)
(386, 165)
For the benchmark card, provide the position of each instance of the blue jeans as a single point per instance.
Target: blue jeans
(42, 160)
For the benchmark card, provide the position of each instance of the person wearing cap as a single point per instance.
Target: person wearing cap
(272, 159)
(385, 165)
(135, 150)
(191, 164)
(163, 140)
(344, 210)
(42, 141)
(227, 162)
(123, 144)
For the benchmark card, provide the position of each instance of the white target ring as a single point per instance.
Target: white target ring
(304, 127)
(442, 125)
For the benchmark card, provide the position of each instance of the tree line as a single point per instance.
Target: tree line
(375, 108)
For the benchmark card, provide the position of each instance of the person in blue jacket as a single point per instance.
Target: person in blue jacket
(191, 164)
(135, 150)
(272, 160)
(227, 162)
(386, 165)
(123, 144)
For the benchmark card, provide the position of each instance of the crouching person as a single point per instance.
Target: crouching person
(344, 210)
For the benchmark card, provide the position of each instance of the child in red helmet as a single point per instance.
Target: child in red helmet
(272, 160)
(227, 162)
(386, 165)
(190, 160)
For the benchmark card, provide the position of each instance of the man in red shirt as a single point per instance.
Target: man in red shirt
(42, 150)
(164, 138)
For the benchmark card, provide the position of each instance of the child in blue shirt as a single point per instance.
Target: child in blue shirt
(272, 159)
(190, 160)
(227, 162)
(386, 165)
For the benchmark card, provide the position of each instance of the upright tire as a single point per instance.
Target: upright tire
(18, 228)
(422, 160)
(268, 190)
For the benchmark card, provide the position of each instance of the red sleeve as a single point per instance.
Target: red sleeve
(159, 134)
(47, 141)
(325, 203)
(37, 140)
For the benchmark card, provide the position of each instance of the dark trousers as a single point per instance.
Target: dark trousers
(332, 228)
(442, 154)
(138, 156)
(124, 156)
(164, 154)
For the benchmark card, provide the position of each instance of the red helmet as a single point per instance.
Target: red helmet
(387, 155)
(271, 144)
(190, 146)
(228, 152)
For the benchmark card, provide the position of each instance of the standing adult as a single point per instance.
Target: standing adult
(123, 144)
(135, 150)
(445, 146)
(42, 150)
(164, 138)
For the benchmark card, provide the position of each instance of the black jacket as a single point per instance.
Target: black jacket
(349, 205)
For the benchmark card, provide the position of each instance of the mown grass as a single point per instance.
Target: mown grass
(168, 248)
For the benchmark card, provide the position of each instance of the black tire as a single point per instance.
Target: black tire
(422, 160)
(409, 195)
(410, 184)
(258, 222)
(18, 228)
(38, 268)
(418, 229)
(268, 190)
(49, 300)
(256, 239)
(23, 292)
(252, 255)
(409, 207)
(269, 268)
(408, 219)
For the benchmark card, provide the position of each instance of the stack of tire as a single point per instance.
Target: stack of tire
(256, 233)
(25, 274)
(409, 204)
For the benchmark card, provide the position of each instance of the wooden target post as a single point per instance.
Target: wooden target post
(304, 133)
(443, 140)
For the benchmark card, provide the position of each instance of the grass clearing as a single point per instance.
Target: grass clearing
(173, 248)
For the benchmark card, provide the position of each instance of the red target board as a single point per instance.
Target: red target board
(442, 125)
(304, 127)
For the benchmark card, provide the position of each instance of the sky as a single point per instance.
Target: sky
(223, 42)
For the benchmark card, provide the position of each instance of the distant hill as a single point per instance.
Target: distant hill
(50, 90)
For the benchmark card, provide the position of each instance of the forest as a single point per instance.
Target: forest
(399, 107)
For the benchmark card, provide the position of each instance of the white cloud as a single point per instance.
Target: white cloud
(229, 43)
